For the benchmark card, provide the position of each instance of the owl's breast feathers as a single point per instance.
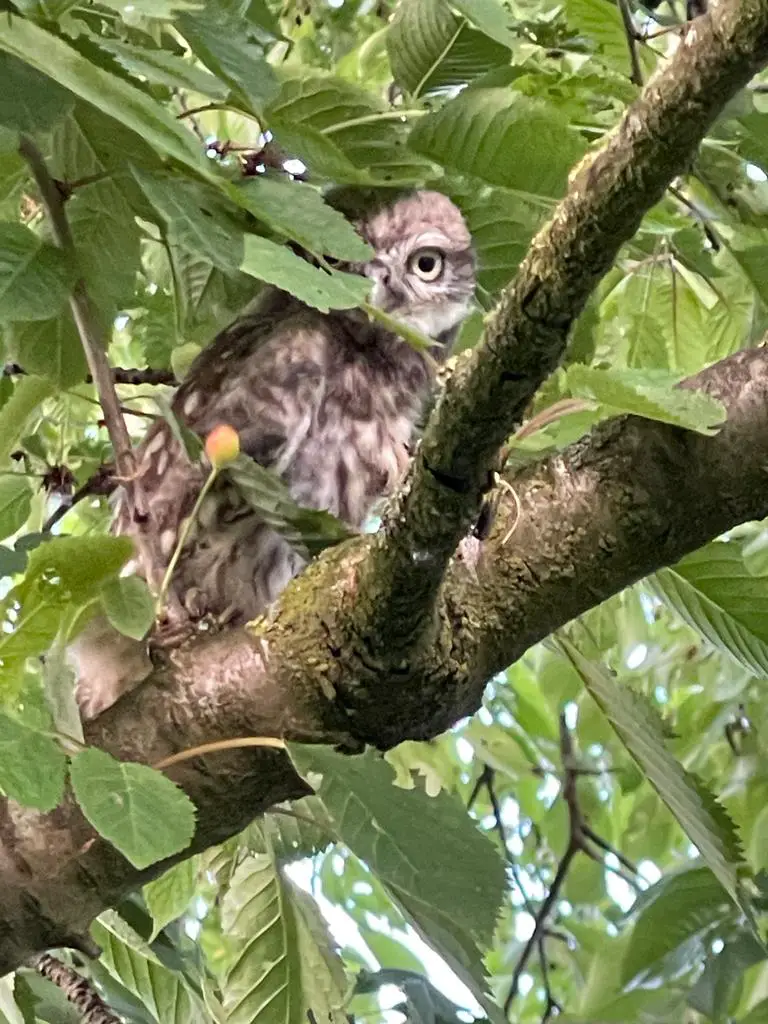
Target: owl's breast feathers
(326, 401)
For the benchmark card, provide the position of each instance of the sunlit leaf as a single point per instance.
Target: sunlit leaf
(704, 820)
(128, 605)
(137, 809)
(35, 277)
(32, 765)
(714, 592)
(322, 289)
(647, 393)
(503, 138)
(264, 982)
(15, 504)
(170, 895)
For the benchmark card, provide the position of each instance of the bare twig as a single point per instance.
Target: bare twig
(120, 375)
(95, 350)
(100, 483)
(579, 836)
(96, 357)
(77, 989)
(552, 1005)
(636, 74)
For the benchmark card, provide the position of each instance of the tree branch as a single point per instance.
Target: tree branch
(96, 356)
(611, 509)
(90, 335)
(526, 334)
(120, 375)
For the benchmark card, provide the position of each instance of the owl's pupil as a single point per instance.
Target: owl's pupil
(427, 264)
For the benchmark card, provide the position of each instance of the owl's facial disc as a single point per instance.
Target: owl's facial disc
(423, 272)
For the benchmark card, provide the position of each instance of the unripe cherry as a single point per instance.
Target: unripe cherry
(222, 445)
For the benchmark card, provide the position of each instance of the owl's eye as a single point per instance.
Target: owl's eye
(427, 264)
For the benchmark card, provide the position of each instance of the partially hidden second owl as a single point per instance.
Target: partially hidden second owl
(328, 401)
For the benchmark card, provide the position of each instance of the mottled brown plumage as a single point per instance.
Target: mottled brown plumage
(327, 401)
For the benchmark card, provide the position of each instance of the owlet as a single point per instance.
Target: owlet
(328, 401)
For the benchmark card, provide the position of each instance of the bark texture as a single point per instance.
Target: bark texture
(385, 638)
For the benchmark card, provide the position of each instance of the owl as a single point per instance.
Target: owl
(327, 401)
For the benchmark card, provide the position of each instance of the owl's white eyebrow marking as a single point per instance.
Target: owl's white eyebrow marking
(429, 238)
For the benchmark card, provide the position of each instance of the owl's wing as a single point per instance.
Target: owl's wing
(265, 377)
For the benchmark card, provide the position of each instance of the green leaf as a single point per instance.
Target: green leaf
(714, 592)
(108, 93)
(170, 895)
(140, 811)
(32, 765)
(324, 290)
(163, 10)
(80, 565)
(648, 393)
(503, 138)
(195, 219)
(29, 393)
(299, 212)
(296, 838)
(722, 979)
(224, 43)
(49, 348)
(11, 561)
(29, 101)
(323, 980)
(35, 278)
(430, 48)
(128, 605)
(264, 981)
(678, 907)
(490, 16)
(600, 23)
(501, 225)
(15, 504)
(703, 820)
(392, 830)
(207, 298)
(164, 68)
(137, 969)
(343, 132)
(309, 530)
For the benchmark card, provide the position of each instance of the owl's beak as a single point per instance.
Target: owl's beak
(388, 292)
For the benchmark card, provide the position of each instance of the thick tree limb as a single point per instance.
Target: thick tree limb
(526, 335)
(633, 497)
(346, 657)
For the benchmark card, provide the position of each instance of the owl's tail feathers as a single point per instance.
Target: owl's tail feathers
(107, 665)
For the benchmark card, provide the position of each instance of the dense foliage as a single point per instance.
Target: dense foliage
(592, 843)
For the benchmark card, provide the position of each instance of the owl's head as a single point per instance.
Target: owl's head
(424, 267)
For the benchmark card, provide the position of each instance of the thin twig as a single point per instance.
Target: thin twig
(77, 989)
(604, 845)
(96, 357)
(636, 74)
(93, 346)
(100, 483)
(488, 777)
(120, 375)
(552, 1005)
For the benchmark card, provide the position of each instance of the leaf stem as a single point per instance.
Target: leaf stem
(182, 540)
(380, 115)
